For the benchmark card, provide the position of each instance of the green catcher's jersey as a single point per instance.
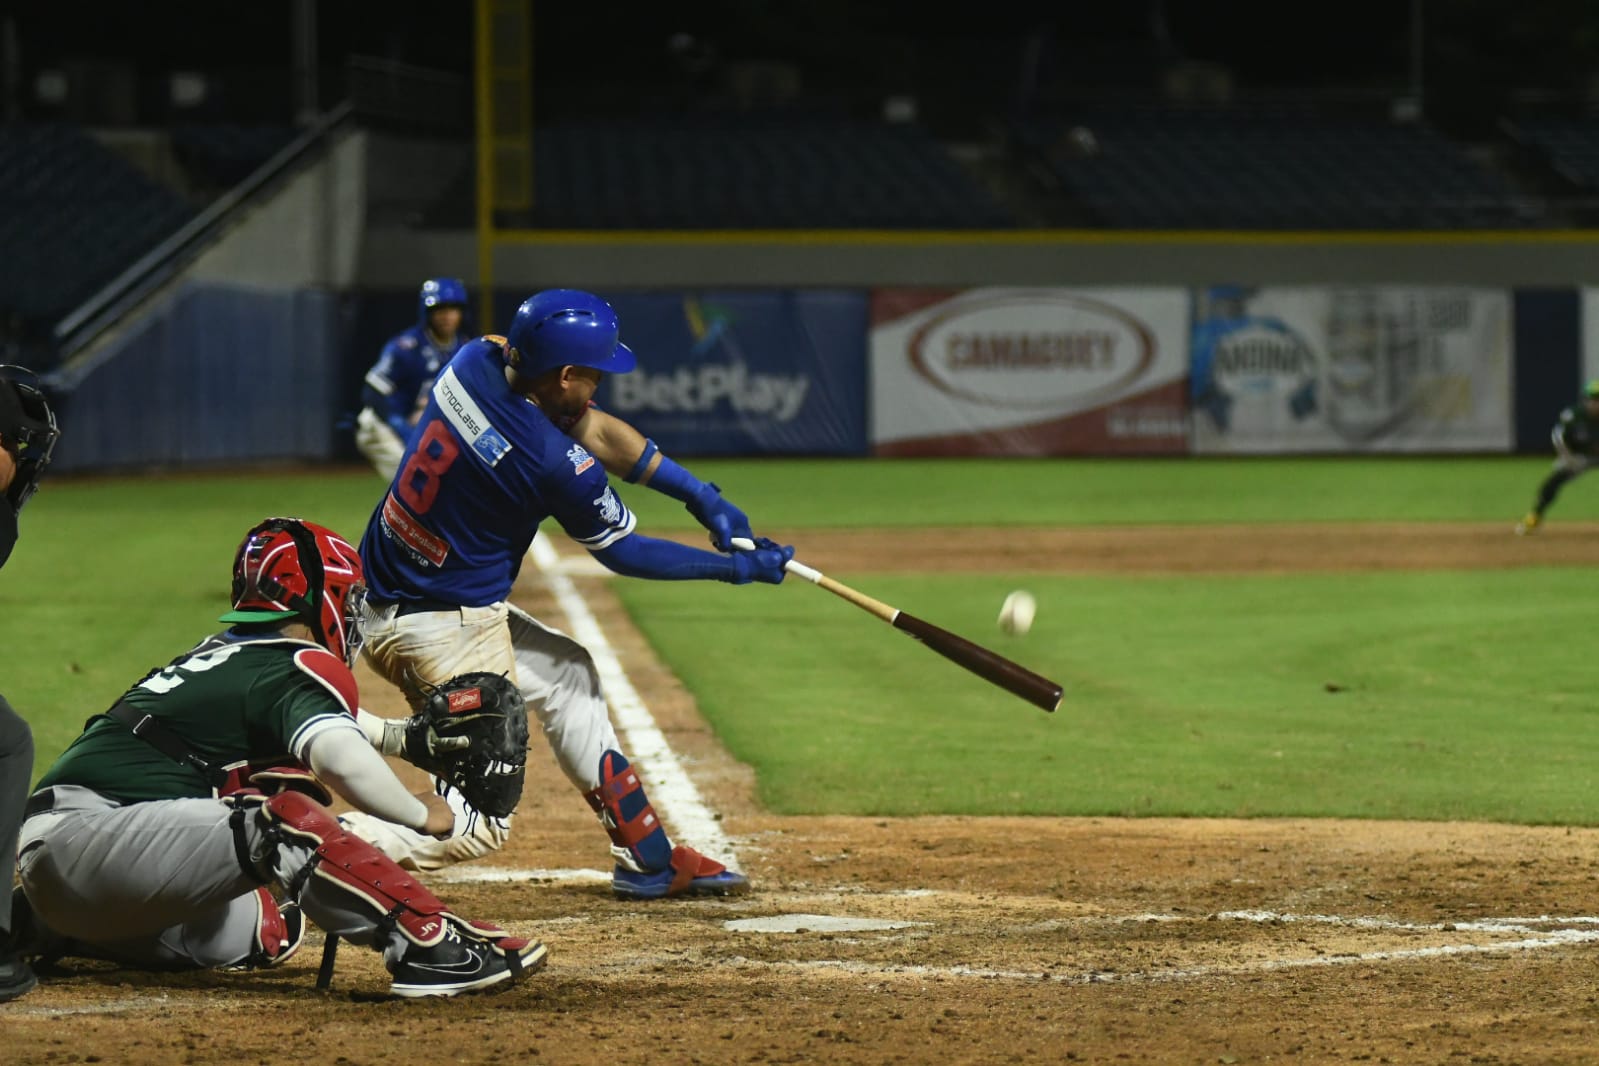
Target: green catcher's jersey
(231, 700)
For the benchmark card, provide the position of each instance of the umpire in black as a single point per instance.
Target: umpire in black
(27, 435)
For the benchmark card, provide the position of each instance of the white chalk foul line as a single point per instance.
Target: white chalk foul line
(491, 875)
(671, 791)
(1556, 938)
(1530, 940)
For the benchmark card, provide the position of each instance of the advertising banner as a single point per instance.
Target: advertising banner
(1370, 369)
(1012, 371)
(1590, 333)
(744, 372)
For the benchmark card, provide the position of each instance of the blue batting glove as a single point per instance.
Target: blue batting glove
(762, 564)
(716, 514)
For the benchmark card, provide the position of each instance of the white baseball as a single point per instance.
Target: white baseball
(1016, 615)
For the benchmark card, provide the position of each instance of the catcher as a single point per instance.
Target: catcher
(188, 826)
(1576, 441)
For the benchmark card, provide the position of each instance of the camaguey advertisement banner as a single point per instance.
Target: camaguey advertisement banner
(1331, 369)
(744, 372)
(1002, 371)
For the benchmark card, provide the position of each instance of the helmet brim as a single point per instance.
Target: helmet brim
(622, 360)
(258, 616)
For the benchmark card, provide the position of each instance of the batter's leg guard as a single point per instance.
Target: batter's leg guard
(429, 950)
(648, 866)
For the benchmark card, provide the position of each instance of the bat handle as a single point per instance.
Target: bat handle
(794, 566)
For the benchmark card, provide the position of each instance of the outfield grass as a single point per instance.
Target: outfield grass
(1458, 696)
(802, 494)
(1464, 694)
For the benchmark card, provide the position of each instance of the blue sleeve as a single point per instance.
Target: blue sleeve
(579, 497)
(665, 560)
(384, 390)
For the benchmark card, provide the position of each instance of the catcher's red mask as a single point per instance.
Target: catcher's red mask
(287, 568)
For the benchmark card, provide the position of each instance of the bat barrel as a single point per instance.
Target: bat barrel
(990, 666)
(1014, 678)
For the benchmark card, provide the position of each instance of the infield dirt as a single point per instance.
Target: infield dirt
(1004, 940)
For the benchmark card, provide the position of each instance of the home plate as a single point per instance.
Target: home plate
(812, 923)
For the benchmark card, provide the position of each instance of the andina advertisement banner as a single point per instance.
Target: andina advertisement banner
(1369, 369)
(1028, 371)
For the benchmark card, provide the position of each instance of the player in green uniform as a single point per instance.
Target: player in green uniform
(187, 826)
(1576, 441)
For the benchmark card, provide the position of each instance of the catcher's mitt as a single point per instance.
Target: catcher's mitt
(472, 735)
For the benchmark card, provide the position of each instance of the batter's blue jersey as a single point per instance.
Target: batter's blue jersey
(484, 467)
(406, 367)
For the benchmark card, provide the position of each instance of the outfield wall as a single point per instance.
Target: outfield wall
(220, 374)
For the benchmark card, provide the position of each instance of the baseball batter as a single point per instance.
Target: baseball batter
(1576, 440)
(184, 829)
(508, 439)
(395, 388)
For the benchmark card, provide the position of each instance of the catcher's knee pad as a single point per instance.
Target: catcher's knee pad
(358, 868)
(626, 813)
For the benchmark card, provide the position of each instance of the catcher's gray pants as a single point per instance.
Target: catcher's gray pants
(16, 771)
(557, 678)
(160, 885)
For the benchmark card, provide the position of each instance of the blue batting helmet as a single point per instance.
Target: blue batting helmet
(566, 327)
(440, 292)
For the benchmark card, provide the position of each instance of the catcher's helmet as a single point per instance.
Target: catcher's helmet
(566, 327)
(440, 292)
(27, 430)
(286, 568)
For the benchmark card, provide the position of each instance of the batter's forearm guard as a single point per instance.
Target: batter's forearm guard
(665, 560)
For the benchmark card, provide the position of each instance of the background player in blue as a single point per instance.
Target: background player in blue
(183, 828)
(510, 438)
(396, 387)
(27, 435)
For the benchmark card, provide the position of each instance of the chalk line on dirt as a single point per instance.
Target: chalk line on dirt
(672, 792)
(501, 875)
(1557, 938)
(1529, 940)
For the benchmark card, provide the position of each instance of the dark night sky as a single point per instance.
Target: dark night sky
(1473, 46)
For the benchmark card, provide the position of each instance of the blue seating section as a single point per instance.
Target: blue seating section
(1269, 169)
(745, 173)
(1568, 146)
(75, 216)
(220, 155)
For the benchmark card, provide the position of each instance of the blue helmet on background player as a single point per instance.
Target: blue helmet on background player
(566, 327)
(440, 292)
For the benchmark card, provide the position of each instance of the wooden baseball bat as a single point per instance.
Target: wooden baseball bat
(990, 666)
